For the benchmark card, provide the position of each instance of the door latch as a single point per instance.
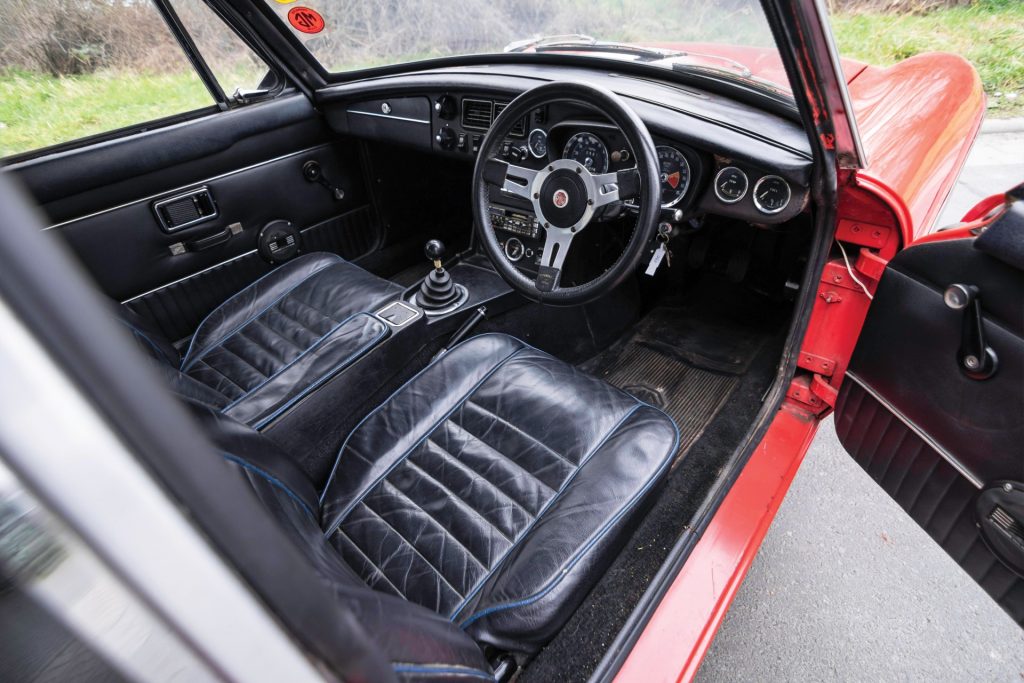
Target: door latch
(976, 358)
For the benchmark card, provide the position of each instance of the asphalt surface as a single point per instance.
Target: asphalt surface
(846, 587)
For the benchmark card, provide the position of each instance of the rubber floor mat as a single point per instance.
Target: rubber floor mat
(690, 395)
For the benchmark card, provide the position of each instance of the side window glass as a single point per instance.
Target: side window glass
(74, 68)
(234, 64)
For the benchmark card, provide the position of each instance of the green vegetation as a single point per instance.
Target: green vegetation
(989, 34)
(38, 110)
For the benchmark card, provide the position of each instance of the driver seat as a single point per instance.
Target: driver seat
(493, 489)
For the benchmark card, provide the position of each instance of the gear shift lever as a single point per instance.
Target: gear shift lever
(437, 290)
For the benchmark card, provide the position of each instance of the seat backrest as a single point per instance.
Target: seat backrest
(417, 640)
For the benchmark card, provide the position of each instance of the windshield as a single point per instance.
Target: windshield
(723, 35)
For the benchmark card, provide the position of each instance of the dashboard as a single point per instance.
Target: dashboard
(715, 156)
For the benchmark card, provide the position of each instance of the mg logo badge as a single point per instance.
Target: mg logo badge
(560, 199)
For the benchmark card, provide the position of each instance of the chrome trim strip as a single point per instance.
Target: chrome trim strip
(932, 443)
(189, 277)
(185, 188)
(388, 116)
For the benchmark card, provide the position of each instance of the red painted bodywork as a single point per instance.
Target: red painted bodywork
(917, 120)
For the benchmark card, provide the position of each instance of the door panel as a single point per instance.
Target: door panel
(932, 436)
(250, 161)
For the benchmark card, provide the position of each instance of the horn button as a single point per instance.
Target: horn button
(563, 198)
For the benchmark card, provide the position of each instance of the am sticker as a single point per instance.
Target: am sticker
(305, 19)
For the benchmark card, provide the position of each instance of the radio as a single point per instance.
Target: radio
(515, 222)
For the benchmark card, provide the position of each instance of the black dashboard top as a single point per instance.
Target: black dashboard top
(446, 110)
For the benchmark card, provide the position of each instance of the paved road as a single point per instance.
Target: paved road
(846, 587)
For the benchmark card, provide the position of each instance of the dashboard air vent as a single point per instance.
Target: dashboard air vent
(477, 114)
(518, 128)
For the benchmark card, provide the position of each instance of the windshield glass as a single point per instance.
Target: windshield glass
(723, 35)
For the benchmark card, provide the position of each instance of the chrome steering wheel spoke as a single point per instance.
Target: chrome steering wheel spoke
(515, 180)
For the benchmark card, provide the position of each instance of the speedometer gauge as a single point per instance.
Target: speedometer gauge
(587, 150)
(675, 175)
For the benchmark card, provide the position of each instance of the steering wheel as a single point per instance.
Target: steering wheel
(565, 195)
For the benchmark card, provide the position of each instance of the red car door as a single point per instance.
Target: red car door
(932, 406)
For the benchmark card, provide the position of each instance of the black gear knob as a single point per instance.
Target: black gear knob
(434, 250)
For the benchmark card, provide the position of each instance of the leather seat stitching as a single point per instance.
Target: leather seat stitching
(464, 503)
(473, 473)
(547, 506)
(239, 357)
(555, 580)
(260, 346)
(348, 360)
(223, 339)
(233, 382)
(270, 478)
(395, 393)
(540, 443)
(440, 526)
(265, 326)
(409, 450)
(505, 458)
(412, 547)
(311, 307)
(298, 358)
(377, 569)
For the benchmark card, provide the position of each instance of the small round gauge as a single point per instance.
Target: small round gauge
(588, 150)
(771, 194)
(538, 143)
(731, 184)
(675, 175)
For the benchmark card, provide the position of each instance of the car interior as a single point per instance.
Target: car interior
(487, 342)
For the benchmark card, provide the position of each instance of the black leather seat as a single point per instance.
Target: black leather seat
(493, 489)
(279, 338)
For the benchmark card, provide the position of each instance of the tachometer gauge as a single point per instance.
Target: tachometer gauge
(588, 150)
(538, 143)
(771, 194)
(675, 175)
(731, 184)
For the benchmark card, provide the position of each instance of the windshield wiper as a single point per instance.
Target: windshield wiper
(579, 42)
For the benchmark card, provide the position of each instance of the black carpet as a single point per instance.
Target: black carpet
(714, 360)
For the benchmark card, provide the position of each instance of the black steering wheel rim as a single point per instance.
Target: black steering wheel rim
(490, 170)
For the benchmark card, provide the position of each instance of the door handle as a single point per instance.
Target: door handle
(208, 242)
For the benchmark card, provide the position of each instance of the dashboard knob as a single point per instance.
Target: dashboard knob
(446, 107)
(446, 138)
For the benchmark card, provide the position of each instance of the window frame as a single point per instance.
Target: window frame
(222, 102)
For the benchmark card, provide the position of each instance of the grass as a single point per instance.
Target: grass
(989, 34)
(39, 110)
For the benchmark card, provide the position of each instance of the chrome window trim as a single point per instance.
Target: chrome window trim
(65, 453)
(929, 441)
(185, 189)
(393, 117)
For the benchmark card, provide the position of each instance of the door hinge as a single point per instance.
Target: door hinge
(813, 391)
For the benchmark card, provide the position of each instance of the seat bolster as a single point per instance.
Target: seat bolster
(526, 599)
(345, 345)
(149, 339)
(391, 431)
(254, 300)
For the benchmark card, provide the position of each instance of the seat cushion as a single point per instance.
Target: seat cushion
(495, 488)
(277, 339)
